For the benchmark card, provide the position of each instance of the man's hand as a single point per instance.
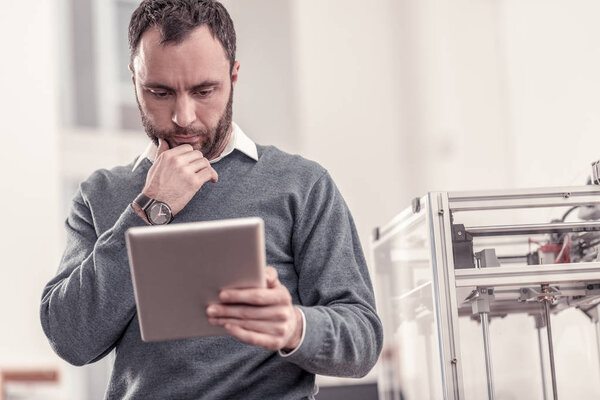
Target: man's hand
(260, 317)
(177, 174)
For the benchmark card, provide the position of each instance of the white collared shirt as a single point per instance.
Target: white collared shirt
(238, 140)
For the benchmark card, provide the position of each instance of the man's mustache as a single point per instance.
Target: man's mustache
(179, 131)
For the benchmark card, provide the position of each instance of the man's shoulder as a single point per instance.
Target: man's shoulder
(117, 178)
(287, 166)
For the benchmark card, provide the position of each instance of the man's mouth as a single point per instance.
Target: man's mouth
(186, 139)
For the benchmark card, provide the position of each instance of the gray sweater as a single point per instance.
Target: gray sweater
(88, 308)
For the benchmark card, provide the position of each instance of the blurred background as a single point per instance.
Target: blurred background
(394, 97)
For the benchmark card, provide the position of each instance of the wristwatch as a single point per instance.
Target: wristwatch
(158, 213)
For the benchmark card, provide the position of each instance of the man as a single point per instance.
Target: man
(317, 313)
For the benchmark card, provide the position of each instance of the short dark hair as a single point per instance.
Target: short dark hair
(175, 19)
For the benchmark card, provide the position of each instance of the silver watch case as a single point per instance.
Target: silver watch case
(157, 212)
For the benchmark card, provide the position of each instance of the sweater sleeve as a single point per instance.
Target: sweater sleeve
(86, 307)
(343, 334)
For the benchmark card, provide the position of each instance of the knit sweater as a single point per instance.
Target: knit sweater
(88, 309)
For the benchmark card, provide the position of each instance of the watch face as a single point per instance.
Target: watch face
(159, 213)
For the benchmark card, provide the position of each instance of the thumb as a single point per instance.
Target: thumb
(272, 278)
(215, 177)
(162, 147)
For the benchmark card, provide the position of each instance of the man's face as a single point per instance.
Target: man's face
(185, 91)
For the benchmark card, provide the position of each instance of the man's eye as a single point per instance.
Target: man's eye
(159, 94)
(204, 93)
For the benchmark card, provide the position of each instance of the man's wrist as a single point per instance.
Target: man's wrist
(298, 336)
(138, 210)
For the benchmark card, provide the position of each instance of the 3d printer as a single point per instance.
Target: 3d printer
(481, 297)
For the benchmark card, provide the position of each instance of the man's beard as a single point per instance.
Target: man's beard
(214, 137)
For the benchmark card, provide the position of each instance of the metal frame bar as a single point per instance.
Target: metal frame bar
(535, 193)
(527, 229)
(550, 348)
(597, 331)
(498, 308)
(539, 322)
(527, 275)
(444, 286)
(406, 220)
(524, 198)
(485, 329)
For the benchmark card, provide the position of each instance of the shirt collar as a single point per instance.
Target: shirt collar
(238, 140)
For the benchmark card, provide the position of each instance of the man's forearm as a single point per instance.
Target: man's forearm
(88, 304)
(140, 212)
(341, 340)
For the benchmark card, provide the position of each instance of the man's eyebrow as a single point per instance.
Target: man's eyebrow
(200, 86)
(155, 85)
(205, 85)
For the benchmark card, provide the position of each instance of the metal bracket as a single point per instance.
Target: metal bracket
(480, 300)
(540, 320)
(462, 247)
(416, 205)
(376, 234)
(535, 294)
(592, 289)
(487, 258)
(595, 172)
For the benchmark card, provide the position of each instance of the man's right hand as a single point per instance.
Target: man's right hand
(177, 174)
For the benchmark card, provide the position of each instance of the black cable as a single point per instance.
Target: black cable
(567, 213)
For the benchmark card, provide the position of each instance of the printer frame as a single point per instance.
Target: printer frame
(519, 289)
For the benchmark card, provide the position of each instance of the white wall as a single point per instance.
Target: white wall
(29, 247)
(453, 105)
(397, 98)
(553, 75)
(348, 103)
(265, 102)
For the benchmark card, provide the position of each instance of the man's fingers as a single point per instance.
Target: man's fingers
(255, 338)
(256, 297)
(199, 164)
(266, 313)
(189, 157)
(269, 328)
(176, 151)
(162, 146)
(208, 175)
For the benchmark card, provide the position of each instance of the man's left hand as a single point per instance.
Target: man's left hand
(260, 316)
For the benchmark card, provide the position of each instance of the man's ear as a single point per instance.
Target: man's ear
(130, 67)
(234, 72)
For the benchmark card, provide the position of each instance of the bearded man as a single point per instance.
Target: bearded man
(316, 314)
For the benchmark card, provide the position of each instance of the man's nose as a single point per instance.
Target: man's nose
(185, 112)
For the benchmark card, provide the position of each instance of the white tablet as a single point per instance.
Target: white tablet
(177, 270)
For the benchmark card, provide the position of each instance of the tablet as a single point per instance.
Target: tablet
(177, 270)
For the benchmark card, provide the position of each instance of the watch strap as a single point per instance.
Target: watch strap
(143, 201)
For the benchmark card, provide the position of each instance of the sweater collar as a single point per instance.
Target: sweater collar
(238, 140)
